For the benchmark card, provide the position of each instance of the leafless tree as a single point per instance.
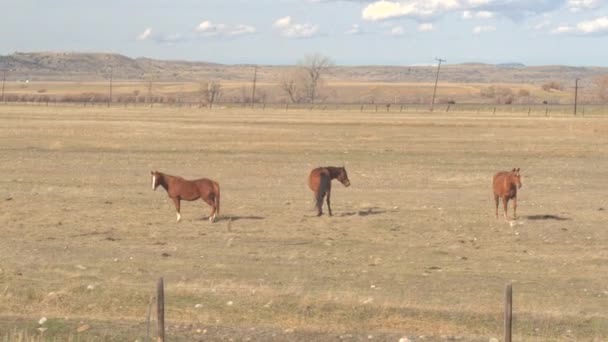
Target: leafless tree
(313, 67)
(292, 84)
(211, 92)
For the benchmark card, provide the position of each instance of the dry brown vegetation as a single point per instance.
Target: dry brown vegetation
(413, 249)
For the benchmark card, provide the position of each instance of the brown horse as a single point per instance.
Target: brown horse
(505, 186)
(319, 182)
(189, 190)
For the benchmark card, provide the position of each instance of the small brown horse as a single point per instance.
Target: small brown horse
(319, 182)
(189, 190)
(505, 186)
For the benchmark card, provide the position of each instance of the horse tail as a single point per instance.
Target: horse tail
(216, 190)
(323, 187)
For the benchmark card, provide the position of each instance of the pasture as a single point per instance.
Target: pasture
(413, 248)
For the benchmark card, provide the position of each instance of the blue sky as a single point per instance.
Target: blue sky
(351, 32)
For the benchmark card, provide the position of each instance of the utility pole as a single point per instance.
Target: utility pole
(3, 81)
(150, 91)
(575, 95)
(110, 98)
(436, 80)
(255, 77)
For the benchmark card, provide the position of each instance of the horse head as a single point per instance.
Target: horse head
(155, 179)
(343, 176)
(516, 177)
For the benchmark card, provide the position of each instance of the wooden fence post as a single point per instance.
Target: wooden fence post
(160, 309)
(508, 312)
(148, 319)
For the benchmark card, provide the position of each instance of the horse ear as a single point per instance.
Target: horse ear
(151, 172)
(517, 169)
(513, 170)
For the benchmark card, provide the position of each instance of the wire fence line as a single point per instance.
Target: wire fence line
(482, 109)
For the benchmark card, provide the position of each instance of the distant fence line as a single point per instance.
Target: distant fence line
(465, 108)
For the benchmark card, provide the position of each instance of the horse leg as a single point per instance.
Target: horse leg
(505, 202)
(515, 208)
(177, 204)
(496, 199)
(328, 205)
(213, 208)
(320, 206)
(319, 202)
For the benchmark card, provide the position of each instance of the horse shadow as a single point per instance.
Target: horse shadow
(547, 217)
(366, 212)
(231, 218)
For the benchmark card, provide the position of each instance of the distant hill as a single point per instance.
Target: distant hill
(74, 66)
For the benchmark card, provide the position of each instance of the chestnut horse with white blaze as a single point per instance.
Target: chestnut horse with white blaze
(319, 182)
(189, 190)
(505, 186)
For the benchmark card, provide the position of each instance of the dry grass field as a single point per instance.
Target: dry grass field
(413, 248)
(334, 91)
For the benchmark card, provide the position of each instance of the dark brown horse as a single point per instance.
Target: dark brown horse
(319, 182)
(189, 190)
(505, 186)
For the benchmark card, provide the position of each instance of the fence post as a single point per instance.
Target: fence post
(148, 320)
(494, 112)
(362, 108)
(160, 309)
(529, 110)
(447, 109)
(286, 106)
(508, 312)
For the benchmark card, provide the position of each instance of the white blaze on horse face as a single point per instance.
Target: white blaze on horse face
(179, 217)
(153, 181)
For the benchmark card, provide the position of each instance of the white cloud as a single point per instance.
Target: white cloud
(426, 27)
(397, 31)
(481, 29)
(478, 15)
(419, 9)
(598, 26)
(581, 5)
(209, 29)
(282, 22)
(483, 9)
(355, 29)
(289, 29)
(145, 35)
(562, 29)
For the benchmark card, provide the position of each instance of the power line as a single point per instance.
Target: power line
(436, 80)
